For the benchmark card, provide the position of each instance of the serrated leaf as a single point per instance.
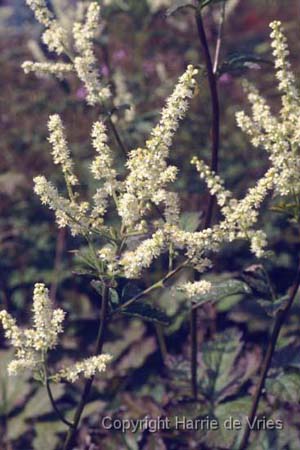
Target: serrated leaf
(225, 367)
(236, 410)
(222, 290)
(179, 375)
(147, 312)
(238, 63)
(276, 440)
(285, 386)
(272, 308)
(256, 278)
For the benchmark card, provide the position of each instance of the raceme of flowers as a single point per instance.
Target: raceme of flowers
(78, 48)
(32, 344)
(149, 175)
(88, 368)
(193, 290)
(146, 182)
(278, 135)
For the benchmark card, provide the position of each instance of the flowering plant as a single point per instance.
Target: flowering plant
(142, 200)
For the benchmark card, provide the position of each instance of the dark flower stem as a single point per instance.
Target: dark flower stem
(215, 137)
(158, 285)
(88, 384)
(117, 136)
(279, 321)
(55, 407)
(215, 131)
(194, 351)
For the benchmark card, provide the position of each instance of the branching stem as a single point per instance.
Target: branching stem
(215, 134)
(55, 407)
(157, 285)
(279, 321)
(88, 384)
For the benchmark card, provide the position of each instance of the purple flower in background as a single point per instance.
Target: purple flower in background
(149, 67)
(104, 70)
(226, 78)
(119, 55)
(81, 93)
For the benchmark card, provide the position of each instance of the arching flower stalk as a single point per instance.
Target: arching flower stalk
(32, 345)
(130, 245)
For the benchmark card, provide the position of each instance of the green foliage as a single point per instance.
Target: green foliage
(147, 312)
(239, 64)
(152, 56)
(224, 289)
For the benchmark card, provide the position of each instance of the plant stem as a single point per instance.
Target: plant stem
(194, 351)
(161, 341)
(117, 136)
(212, 81)
(54, 406)
(88, 384)
(151, 288)
(219, 39)
(279, 321)
(215, 134)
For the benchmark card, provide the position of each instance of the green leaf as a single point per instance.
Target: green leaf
(190, 221)
(147, 312)
(257, 279)
(226, 367)
(236, 410)
(114, 297)
(285, 386)
(237, 64)
(272, 308)
(97, 285)
(224, 289)
(86, 257)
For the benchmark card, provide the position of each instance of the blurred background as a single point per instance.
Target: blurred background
(142, 49)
